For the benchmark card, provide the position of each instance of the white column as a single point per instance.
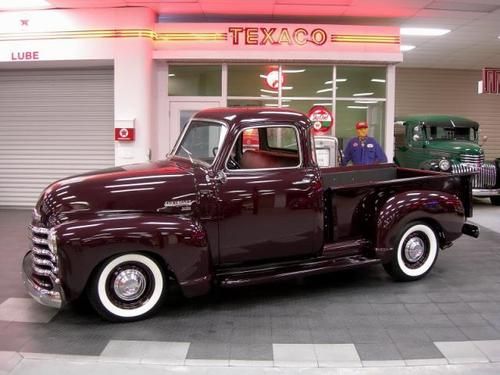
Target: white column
(133, 73)
(390, 112)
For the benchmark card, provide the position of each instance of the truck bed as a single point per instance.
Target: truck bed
(351, 194)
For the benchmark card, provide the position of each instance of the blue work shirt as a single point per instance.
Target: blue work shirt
(363, 152)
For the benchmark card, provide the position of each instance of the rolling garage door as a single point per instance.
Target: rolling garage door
(53, 123)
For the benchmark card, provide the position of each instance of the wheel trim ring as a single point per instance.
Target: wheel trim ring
(424, 254)
(142, 299)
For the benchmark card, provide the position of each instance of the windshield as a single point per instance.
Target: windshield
(458, 134)
(202, 141)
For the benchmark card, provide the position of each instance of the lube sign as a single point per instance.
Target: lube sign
(275, 36)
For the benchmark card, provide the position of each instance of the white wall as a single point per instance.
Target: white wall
(452, 92)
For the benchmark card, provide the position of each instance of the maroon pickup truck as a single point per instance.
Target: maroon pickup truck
(219, 213)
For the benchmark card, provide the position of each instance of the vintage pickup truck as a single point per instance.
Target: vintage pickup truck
(217, 213)
(449, 144)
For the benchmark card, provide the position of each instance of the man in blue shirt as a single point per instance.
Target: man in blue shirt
(363, 149)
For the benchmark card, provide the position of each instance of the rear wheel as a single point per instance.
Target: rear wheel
(495, 200)
(415, 253)
(127, 287)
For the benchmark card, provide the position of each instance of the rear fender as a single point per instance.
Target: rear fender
(178, 242)
(444, 212)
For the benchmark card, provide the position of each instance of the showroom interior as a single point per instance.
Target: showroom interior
(99, 85)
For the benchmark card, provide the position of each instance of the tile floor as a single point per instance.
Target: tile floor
(349, 319)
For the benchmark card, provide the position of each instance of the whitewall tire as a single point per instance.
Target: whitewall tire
(415, 252)
(127, 287)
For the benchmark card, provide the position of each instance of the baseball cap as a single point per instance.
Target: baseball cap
(361, 125)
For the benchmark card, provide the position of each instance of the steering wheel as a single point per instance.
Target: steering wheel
(232, 163)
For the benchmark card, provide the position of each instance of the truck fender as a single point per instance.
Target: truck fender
(179, 243)
(443, 211)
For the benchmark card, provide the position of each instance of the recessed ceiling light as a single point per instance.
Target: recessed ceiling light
(423, 31)
(406, 47)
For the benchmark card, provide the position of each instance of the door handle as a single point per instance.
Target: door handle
(220, 177)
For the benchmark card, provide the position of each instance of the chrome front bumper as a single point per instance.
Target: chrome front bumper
(485, 192)
(51, 298)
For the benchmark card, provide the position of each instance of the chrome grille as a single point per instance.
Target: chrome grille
(486, 177)
(45, 264)
(472, 159)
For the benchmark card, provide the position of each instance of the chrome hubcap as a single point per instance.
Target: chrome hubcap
(129, 284)
(414, 249)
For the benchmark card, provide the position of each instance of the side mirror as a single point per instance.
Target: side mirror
(416, 138)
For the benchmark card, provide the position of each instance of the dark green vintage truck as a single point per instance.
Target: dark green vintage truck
(448, 144)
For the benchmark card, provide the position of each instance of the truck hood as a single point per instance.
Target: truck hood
(451, 148)
(148, 187)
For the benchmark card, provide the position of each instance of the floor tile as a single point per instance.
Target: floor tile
(461, 352)
(25, 310)
(337, 355)
(294, 355)
(257, 351)
(481, 333)
(9, 360)
(418, 350)
(491, 348)
(378, 352)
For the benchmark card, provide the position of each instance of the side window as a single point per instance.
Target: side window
(399, 134)
(265, 148)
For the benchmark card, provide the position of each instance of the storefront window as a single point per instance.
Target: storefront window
(194, 80)
(307, 81)
(349, 112)
(252, 103)
(362, 82)
(253, 80)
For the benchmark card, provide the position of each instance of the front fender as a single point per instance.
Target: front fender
(180, 243)
(443, 211)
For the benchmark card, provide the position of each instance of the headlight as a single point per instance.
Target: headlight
(52, 241)
(444, 165)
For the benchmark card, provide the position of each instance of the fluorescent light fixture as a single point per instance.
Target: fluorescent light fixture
(406, 47)
(363, 94)
(324, 90)
(378, 80)
(357, 107)
(337, 80)
(271, 105)
(366, 101)
(171, 74)
(269, 91)
(322, 104)
(423, 31)
(293, 70)
(24, 4)
(267, 96)
(263, 76)
(286, 100)
(287, 87)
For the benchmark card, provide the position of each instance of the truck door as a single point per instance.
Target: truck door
(270, 201)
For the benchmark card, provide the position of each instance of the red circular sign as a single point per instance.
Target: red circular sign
(273, 79)
(123, 132)
(321, 118)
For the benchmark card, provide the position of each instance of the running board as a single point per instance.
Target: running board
(238, 276)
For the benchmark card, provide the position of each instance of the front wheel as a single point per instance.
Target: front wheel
(127, 287)
(415, 253)
(495, 201)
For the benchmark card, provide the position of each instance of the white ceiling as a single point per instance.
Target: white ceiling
(473, 42)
